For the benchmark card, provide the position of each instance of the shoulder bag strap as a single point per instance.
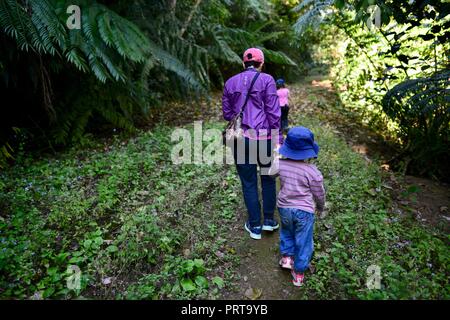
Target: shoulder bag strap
(248, 92)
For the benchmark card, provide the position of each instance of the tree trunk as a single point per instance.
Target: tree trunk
(188, 20)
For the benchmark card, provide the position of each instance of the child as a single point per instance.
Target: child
(301, 186)
(283, 96)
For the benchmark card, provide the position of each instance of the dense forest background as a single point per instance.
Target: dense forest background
(61, 85)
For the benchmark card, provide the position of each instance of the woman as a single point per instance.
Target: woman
(261, 124)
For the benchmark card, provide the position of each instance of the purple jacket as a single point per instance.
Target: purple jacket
(262, 112)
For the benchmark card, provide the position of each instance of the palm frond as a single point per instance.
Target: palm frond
(277, 57)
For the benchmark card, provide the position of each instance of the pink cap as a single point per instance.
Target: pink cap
(253, 54)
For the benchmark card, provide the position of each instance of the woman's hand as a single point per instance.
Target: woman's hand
(277, 147)
(276, 155)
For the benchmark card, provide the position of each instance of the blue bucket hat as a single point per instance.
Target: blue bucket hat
(299, 144)
(280, 82)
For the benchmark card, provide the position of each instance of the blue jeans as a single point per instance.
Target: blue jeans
(296, 236)
(249, 179)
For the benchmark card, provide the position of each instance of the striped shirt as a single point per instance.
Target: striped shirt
(301, 185)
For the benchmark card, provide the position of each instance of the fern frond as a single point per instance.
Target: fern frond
(221, 49)
(127, 39)
(115, 117)
(50, 28)
(15, 22)
(171, 63)
(277, 57)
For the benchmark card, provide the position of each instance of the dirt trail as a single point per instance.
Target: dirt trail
(260, 276)
(259, 271)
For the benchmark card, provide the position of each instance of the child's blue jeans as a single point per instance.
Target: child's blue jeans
(296, 236)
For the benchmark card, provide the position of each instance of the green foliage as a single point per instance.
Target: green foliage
(103, 35)
(393, 75)
(125, 213)
(121, 211)
(210, 42)
(124, 59)
(190, 273)
(313, 13)
(421, 107)
(359, 229)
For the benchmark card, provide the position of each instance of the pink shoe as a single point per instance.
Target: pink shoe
(286, 262)
(298, 278)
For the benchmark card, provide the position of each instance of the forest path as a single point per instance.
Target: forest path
(260, 277)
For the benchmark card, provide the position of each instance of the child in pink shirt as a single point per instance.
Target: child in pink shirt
(283, 97)
(301, 195)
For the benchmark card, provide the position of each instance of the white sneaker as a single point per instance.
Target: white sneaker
(255, 233)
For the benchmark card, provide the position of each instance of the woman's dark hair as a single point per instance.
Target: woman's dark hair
(252, 64)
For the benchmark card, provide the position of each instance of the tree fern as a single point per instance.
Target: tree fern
(260, 8)
(129, 61)
(421, 107)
